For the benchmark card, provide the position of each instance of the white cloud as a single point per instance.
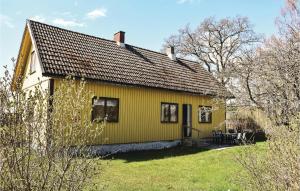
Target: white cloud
(67, 23)
(96, 13)
(6, 21)
(38, 18)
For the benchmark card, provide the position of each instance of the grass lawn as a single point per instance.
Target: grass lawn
(180, 168)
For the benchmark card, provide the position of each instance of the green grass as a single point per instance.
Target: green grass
(180, 168)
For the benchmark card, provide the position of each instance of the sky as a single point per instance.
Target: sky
(146, 22)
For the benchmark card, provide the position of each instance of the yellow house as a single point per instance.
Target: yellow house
(150, 99)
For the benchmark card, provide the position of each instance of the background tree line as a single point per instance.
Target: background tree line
(264, 74)
(259, 71)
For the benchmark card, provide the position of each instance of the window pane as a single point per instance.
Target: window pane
(99, 102)
(165, 112)
(32, 62)
(200, 114)
(205, 114)
(203, 118)
(98, 112)
(112, 110)
(173, 113)
(209, 115)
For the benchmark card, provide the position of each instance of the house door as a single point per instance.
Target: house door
(187, 120)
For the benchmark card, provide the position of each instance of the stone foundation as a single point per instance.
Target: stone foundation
(122, 148)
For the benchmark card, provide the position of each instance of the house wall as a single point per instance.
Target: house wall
(22, 71)
(140, 110)
(31, 80)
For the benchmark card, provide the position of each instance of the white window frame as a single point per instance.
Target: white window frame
(207, 111)
(32, 65)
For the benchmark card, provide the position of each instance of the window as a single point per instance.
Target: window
(32, 63)
(105, 109)
(169, 112)
(205, 114)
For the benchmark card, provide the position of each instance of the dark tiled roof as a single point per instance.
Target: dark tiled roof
(63, 52)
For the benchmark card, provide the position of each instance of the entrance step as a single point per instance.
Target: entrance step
(202, 142)
(187, 142)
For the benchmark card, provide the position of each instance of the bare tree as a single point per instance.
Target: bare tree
(215, 44)
(269, 76)
(289, 22)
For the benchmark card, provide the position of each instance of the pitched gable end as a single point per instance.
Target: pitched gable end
(27, 46)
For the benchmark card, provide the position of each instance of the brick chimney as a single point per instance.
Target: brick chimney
(119, 37)
(171, 53)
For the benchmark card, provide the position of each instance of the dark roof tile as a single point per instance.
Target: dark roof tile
(65, 52)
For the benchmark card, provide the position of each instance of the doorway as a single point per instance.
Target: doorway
(187, 120)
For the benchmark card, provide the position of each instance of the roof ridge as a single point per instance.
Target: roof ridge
(92, 57)
(70, 30)
(163, 54)
(29, 20)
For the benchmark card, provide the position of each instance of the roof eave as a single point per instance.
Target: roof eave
(128, 84)
(35, 45)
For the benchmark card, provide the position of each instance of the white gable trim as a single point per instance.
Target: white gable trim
(35, 46)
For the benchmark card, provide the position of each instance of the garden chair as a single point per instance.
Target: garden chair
(214, 134)
(237, 140)
(244, 139)
(219, 136)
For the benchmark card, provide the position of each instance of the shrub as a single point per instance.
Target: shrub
(278, 168)
(39, 133)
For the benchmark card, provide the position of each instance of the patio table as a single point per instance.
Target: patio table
(229, 137)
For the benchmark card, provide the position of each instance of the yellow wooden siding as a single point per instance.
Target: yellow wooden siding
(139, 114)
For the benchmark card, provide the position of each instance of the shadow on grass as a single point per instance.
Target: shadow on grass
(139, 156)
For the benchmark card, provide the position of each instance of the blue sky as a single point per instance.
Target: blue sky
(146, 22)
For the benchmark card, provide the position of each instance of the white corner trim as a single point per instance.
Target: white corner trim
(35, 47)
